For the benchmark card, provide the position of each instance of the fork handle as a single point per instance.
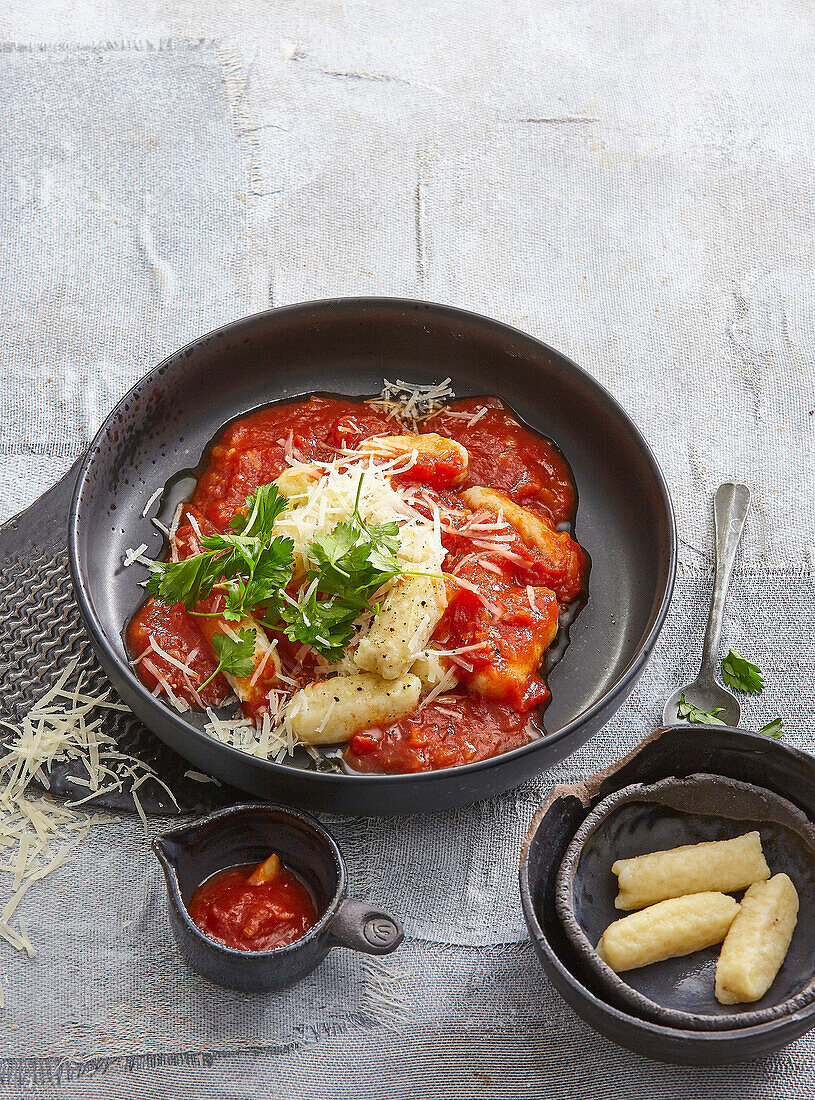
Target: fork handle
(730, 507)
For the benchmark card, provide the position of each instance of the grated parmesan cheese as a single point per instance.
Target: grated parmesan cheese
(448, 681)
(269, 741)
(411, 403)
(39, 833)
(330, 500)
(152, 501)
(199, 777)
(176, 523)
(262, 664)
(469, 418)
(134, 555)
(193, 522)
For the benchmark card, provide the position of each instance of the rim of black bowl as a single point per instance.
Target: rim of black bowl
(239, 810)
(628, 675)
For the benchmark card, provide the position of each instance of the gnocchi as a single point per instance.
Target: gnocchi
(403, 627)
(327, 712)
(531, 527)
(676, 926)
(438, 458)
(757, 942)
(691, 869)
(562, 560)
(252, 689)
(294, 484)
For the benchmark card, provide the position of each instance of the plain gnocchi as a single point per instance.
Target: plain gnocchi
(677, 926)
(723, 865)
(757, 942)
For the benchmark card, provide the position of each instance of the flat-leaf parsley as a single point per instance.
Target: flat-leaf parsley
(235, 655)
(701, 717)
(741, 674)
(775, 728)
(253, 569)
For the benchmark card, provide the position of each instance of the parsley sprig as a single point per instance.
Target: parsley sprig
(742, 675)
(254, 568)
(347, 566)
(325, 624)
(252, 563)
(235, 655)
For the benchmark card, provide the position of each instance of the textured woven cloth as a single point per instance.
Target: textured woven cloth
(630, 183)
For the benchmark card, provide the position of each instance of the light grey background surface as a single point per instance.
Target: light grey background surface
(632, 183)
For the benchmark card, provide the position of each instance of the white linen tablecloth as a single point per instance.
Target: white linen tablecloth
(632, 183)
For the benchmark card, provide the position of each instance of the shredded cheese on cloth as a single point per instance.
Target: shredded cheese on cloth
(38, 834)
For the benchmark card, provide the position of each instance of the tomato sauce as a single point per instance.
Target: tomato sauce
(504, 633)
(252, 450)
(505, 641)
(179, 635)
(253, 916)
(458, 729)
(509, 457)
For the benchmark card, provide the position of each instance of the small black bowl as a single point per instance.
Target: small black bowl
(246, 834)
(649, 818)
(677, 751)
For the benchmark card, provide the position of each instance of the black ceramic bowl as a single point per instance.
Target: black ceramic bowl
(650, 818)
(168, 420)
(247, 834)
(678, 751)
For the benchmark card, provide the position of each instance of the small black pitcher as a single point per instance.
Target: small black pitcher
(246, 834)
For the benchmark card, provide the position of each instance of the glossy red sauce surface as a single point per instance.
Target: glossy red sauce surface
(179, 635)
(457, 729)
(508, 630)
(253, 917)
(507, 456)
(252, 451)
(513, 634)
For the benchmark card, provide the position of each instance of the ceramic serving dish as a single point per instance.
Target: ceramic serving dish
(652, 817)
(168, 420)
(673, 752)
(247, 834)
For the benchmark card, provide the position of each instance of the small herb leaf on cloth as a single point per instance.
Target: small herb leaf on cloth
(775, 728)
(741, 674)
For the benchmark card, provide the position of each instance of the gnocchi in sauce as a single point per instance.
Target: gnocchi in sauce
(444, 664)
